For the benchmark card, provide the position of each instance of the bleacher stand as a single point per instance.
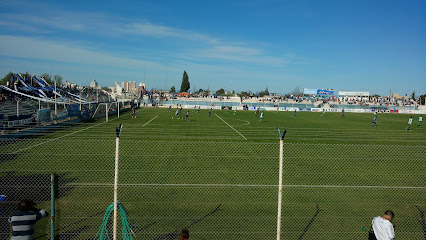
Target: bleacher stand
(10, 122)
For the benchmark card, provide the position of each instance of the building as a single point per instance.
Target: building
(117, 89)
(396, 96)
(69, 84)
(125, 86)
(94, 84)
(131, 87)
(141, 87)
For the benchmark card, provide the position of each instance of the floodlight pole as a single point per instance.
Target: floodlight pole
(118, 109)
(106, 112)
(80, 102)
(280, 183)
(117, 147)
(56, 111)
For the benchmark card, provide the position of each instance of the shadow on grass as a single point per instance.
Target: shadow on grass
(5, 157)
(74, 234)
(17, 186)
(175, 235)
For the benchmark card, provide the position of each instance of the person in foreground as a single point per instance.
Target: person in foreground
(24, 219)
(383, 228)
(184, 234)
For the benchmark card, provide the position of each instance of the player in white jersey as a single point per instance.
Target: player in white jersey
(410, 121)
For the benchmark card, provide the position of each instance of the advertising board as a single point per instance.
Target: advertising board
(354, 94)
(310, 91)
(325, 92)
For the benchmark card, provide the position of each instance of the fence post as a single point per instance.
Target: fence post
(280, 183)
(117, 144)
(52, 206)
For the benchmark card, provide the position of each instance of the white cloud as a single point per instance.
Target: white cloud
(98, 24)
(241, 54)
(113, 27)
(27, 47)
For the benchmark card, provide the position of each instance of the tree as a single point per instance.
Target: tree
(173, 89)
(245, 94)
(58, 79)
(6, 79)
(296, 91)
(220, 91)
(47, 77)
(24, 75)
(264, 93)
(185, 83)
(413, 95)
(200, 90)
(375, 95)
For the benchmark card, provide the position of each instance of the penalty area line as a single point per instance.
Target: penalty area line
(231, 126)
(150, 121)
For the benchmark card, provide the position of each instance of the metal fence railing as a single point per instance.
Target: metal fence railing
(219, 190)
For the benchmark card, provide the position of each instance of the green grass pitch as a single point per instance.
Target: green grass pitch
(174, 172)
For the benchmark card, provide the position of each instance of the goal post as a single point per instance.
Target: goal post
(104, 110)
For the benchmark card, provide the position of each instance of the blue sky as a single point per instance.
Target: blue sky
(236, 45)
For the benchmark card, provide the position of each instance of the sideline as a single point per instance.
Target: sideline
(231, 127)
(66, 135)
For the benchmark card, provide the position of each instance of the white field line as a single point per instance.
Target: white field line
(66, 135)
(231, 126)
(150, 121)
(243, 185)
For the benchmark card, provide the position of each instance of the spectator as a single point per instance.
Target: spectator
(383, 228)
(23, 221)
(184, 234)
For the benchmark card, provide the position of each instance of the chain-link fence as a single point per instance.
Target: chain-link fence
(219, 190)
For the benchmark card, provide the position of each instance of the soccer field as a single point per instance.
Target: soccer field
(218, 175)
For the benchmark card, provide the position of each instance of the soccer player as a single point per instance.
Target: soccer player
(257, 112)
(294, 113)
(420, 121)
(198, 111)
(343, 112)
(410, 121)
(187, 116)
(374, 121)
(176, 114)
(210, 112)
(170, 108)
(133, 112)
(278, 108)
(323, 113)
(261, 116)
